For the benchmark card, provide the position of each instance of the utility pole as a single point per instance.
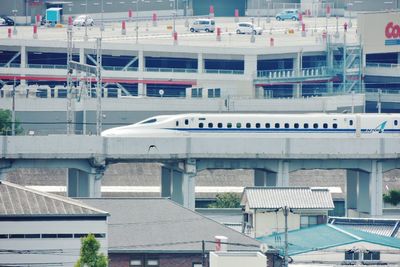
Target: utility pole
(99, 116)
(203, 253)
(13, 111)
(286, 213)
(70, 109)
(379, 105)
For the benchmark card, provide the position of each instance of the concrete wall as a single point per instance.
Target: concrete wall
(229, 259)
(68, 248)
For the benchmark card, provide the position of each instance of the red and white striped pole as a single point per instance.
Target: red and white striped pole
(35, 35)
(303, 30)
(175, 38)
(37, 19)
(123, 28)
(9, 32)
(236, 15)
(218, 34)
(154, 19)
(130, 14)
(211, 15)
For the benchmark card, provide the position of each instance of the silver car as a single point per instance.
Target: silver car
(248, 27)
(207, 25)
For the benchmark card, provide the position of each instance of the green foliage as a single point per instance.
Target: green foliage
(6, 123)
(89, 256)
(226, 200)
(393, 197)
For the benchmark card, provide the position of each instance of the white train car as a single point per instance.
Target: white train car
(272, 124)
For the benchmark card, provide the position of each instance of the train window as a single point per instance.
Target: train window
(202, 119)
(229, 125)
(305, 125)
(201, 125)
(177, 123)
(277, 125)
(315, 125)
(325, 125)
(350, 122)
(210, 125)
(248, 125)
(149, 121)
(296, 125)
(396, 122)
(186, 122)
(286, 125)
(334, 126)
(238, 125)
(267, 125)
(220, 125)
(258, 125)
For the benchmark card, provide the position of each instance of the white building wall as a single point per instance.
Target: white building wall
(42, 250)
(237, 259)
(336, 254)
(270, 222)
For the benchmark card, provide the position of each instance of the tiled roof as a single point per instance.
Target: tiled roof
(325, 236)
(292, 197)
(16, 200)
(162, 226)
(379, 226)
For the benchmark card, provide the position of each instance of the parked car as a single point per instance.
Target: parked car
(292, 14)
(4, 20)
(83, 20)
(207, 25)
(248, 27)
(43, 20)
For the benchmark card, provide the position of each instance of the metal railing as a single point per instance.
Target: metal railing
(171, 70)
(217, 71)
(383, 65)
(11, 65)
(291, 73)
(46, 66)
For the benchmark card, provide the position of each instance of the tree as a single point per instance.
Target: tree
(6, 123)
(392, 197)
(89, 256)
(226, 200)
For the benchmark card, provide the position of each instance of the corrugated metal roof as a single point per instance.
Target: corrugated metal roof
(292, 197)
(16, 200)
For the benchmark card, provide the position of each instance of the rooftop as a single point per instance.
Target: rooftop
(16, 200)
(160, 225)
(292, 197)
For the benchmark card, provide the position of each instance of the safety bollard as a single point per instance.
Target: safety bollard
(211, 15)
(236, 15)
(69, 23)
(328, 11)
(303, 30)
(175, 38)
(9, 32)
(218, 34)
(130, 14)
(123, 28)
(154, 19)
(345, 26)
(35, 35)
(37, 20)
(271, 42)
(300, 16)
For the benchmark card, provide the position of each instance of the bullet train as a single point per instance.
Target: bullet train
(361, 125)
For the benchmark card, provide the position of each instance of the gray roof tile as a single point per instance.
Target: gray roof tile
(16, 200)
(293, 197)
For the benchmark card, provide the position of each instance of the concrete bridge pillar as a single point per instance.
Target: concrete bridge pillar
(364, 189)
(200, 63)
(264, 178)
(179, 183)
(84, 184)
(282, 179)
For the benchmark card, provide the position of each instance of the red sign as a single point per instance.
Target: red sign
(392, 30)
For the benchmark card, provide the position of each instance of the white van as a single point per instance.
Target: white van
(207, 25)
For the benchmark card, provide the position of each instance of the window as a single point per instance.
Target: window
(135, 263)
(305, 125)
(3, 236)
(238, 125)
(201, 125)
(64, 235)
(149, 121)
(210, 125)
(186, 122)
(267, 125)
(334, 126)
(248, 125)
(229, 125)
(258, 125)
(396, 122)
(49, 235)
(350, 122)
(307, 221)
(177, 123)
(197, 92)
(315, 125)
(152, 262)
(277, 125)
(214, 92)
(325, 125)
(296, 125)
(17, 236)
(220, 125)
(286, 125)
(197, 264)
(351, 255)
(372, 255)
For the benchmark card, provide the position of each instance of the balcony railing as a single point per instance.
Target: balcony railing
(217, 71)
(291, 73)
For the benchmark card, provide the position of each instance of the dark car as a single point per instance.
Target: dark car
(7, 21)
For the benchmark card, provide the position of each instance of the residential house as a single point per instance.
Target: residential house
(42, 229)
(263, 208)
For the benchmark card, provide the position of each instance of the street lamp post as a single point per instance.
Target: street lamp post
(349, 6)
(14, 11)
(86, 35)
(173, 16)
(102, 17)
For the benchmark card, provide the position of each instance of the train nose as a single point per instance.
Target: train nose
(108, 133)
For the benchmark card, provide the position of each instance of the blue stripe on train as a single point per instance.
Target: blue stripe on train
(281, 130)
